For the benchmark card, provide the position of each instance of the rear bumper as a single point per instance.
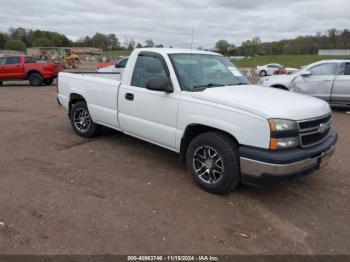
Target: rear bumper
(263, 167)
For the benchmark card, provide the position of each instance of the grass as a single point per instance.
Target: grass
(118, 53)
(286, 60)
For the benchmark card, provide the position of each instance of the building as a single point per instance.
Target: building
(55, 52)
(334, 52)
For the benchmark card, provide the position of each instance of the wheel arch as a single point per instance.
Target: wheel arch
(33, 71)
(193, 130)
(74, 98)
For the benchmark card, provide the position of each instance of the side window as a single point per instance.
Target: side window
(324, 69)
(29, 60)
(12, 60)
(2, 60)
(122, 63)
(145, 68)
(347, 69)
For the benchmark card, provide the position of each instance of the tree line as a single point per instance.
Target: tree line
(21, 38)
(302, 45)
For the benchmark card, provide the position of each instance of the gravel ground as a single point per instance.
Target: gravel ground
(62, 194)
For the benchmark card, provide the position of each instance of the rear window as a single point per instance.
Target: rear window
(347, 69)
(12, 60)
(30, 59)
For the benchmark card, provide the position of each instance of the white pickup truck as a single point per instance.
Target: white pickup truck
(198, 104)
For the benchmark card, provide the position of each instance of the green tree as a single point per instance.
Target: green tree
(113, 42)
(138, 45)
(42, 42)
(149, 43)
(13, 44)
(223, 47)
(3, 40)
(100, 41)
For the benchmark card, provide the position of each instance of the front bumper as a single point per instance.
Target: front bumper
(263, 167)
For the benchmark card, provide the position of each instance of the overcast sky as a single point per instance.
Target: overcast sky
(171, 22)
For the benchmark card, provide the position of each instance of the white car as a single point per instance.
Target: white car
(116, 68)
(328, 80)
(199, 105)
(267, 70)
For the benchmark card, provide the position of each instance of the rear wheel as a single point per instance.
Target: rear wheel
(35, 79)
(263, 73)
(76, 63)
(81, 120)
(48, 81)
(213, 160)
(0, 83)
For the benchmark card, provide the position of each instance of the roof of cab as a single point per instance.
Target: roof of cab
(12, 55)
(175, 51)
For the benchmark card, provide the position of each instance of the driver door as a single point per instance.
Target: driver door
(319, 83)
(147, 114)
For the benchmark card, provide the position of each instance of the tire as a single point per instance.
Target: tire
(35, 79)
(0, 83)
(76, 63)
(48, 81)
(81, 120)
(213, 160)
(263, 73)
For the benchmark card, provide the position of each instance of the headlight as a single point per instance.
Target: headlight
(284, 134)
(278, 125)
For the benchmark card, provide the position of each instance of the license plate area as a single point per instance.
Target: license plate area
(324, 160)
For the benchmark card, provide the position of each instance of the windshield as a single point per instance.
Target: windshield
(197, 72)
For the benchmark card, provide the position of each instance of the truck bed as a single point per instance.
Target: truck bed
(100, 90)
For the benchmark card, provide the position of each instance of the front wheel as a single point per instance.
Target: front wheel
(48, 81)
(213, 160)
(0, 83)
(76, 63)
(81, 120)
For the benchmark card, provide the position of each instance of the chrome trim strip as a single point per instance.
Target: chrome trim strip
(258, 168)
(315, 129)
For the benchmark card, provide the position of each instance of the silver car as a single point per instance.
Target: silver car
(328, 80)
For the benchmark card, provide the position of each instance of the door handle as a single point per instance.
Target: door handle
(129, 96)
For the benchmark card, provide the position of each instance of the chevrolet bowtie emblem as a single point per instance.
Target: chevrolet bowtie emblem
(323, 128)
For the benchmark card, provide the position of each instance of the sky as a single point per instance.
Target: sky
(170, 22)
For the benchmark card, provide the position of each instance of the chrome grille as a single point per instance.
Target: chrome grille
(314, 131)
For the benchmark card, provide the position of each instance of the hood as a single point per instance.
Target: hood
(266, 102)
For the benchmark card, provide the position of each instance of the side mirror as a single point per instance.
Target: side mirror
(306, 73)
(159, 83)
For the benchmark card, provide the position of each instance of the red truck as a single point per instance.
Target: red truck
(22, 67)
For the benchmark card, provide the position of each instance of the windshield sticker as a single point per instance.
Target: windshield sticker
(235, 71)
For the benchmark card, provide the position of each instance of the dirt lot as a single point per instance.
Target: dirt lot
(61, 194)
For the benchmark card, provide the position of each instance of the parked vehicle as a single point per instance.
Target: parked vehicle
(117, 68)
(21, 67)
(328, 80)
(104, 61)
(267, 70)
(199, 105)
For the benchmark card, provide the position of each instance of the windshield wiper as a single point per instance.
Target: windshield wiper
(208, 85)
(238, 84)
